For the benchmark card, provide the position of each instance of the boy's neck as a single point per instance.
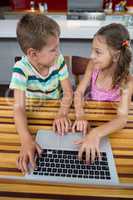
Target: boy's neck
(42, 70)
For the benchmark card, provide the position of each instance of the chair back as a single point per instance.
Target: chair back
(79, 65)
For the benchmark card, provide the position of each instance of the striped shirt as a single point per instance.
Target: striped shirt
(26, 78)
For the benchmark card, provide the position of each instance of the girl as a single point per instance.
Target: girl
(106, 78)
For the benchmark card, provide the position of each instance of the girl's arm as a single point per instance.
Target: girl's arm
(122, 113)
(28, 145)
(79, 93)
(90, 144)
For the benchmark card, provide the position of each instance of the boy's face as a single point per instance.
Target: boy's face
(100, 54)
(48, 54)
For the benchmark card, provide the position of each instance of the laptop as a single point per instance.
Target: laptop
(59, 161)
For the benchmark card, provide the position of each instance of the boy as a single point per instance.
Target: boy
(42, 74)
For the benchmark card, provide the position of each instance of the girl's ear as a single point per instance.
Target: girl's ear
(116, 56)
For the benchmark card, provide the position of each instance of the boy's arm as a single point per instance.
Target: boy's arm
(20, 115)
(28, 146)
(67, 98)
(79, 93)
(122, 113)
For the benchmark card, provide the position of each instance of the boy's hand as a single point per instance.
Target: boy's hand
(80, 125)
(61, 125)
(27, 154)
(90, 145)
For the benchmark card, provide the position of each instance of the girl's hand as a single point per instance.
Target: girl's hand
(61, 125)
(89, 145)
(27, 155)
(80, 125)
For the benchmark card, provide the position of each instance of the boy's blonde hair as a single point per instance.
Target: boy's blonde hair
(33, 31)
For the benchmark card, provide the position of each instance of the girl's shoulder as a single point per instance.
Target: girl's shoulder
(130, 80)
(89, 67)
(128, 86)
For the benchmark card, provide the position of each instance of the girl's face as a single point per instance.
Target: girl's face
(100, 53)
(49, 53)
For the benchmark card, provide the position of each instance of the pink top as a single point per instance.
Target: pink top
(99, 94)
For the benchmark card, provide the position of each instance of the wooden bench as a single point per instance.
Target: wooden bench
(40, 116)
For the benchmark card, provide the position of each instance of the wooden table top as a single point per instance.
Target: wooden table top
(40, 116)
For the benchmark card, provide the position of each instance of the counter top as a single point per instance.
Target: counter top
(70, 29)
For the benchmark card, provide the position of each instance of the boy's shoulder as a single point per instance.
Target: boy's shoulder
(22, 66)
(59, 60)
(22, 63)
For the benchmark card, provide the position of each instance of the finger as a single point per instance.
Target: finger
(25, 164)
(58, 127)
(88, 156)
(66, 125)
(74, 127)
(54, 127)
(80, 126)
(62, 126)
(98, 153)
(17, 162)
(81, 150)
(93, 154)
(39, 149)
(70, 123)
(85, 128)
(32, 159)
(21, 164)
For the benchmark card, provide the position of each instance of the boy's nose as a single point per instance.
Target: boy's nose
(57, 52)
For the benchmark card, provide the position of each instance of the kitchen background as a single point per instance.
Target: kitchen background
(61, 5)
(79, 20)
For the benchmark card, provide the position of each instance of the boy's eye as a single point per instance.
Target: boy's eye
(53, 50)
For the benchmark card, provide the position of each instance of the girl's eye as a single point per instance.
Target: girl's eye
(98, 52)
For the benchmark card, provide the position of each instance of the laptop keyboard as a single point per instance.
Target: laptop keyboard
(65, 163)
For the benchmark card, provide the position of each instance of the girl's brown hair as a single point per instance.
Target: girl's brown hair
(117, 37)
(33, 31)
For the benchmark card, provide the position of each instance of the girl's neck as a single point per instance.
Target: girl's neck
(109, 71)
(105, 78)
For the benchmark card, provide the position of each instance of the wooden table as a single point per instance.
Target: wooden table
(40, 116)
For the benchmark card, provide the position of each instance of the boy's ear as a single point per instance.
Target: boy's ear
(31, 53)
